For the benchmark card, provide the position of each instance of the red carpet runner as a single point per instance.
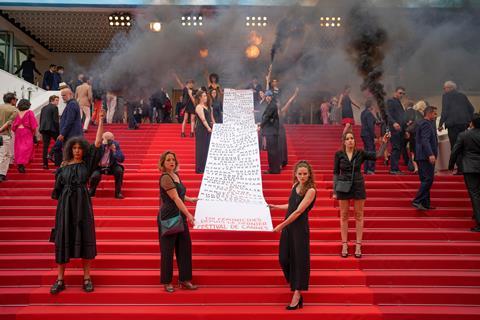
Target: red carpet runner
(416, 265)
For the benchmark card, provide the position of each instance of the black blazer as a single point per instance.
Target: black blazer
(49, 120)
(270, 121)
(426, 143)
(456, 109)
(468, 146)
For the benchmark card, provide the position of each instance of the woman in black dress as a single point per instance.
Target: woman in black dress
(74, 231)
(172, 195)
(294, 248)
(203, 130)
(348, 161)
(217, 106)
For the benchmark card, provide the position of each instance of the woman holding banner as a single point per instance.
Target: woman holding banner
(294, 251)
(172, 225)
(203, 130)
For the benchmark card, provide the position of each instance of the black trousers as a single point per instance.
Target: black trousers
(472, 181)
(397, 144)
(96, 177)
(369, 145)
(46, 143)
(453, 133)
(181, 245)
(273, 150)
(426, 172)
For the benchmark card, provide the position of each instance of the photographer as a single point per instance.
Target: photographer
(110, 158)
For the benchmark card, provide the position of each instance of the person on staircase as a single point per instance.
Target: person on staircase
(348, 184)
(111, 157)
(74, 232)
(468, 147)
(25, 127)
(294, 248)
(174, 237)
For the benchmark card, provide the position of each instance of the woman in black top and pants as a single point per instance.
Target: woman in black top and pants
(348, 161)
(294, 251)
(203, 130)
(172, 194)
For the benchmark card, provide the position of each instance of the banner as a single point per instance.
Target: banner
(231, 195)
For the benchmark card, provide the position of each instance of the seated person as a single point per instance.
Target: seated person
(110, 158)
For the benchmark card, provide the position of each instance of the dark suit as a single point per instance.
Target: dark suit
(426, 146)
(368, 136)
(396, 114)
(114, 168)
(49, 127)
(468, 148)
(270, 129)
(457, 112)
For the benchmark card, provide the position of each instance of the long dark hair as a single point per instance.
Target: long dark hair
(68, 149)
(311, 178)
(344, 137)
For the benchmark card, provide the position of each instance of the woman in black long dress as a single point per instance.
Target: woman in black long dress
(172, 195)
(217, 106)
(349, 161)
(203, 130)
(74, 231)
(294, 248)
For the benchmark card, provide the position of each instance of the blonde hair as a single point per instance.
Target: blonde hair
(163, 158)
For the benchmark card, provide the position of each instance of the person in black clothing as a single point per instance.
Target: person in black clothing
(270, 129)
(345, 103)
(28, 68)
(468, 147)
(217, 106)
(180, 110)
(457, 112)
(49, 126)
(396, 122)
(426, 152)
(294, 248)
(74, 232)
(189, 105)
(49, 77)
(347, 167)
(172, 196)
(111, 157)
(203, 130)
(368, 134)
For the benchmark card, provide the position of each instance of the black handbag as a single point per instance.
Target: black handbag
(171, 226)
(345, 186)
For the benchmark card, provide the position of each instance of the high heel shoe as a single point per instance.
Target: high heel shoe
(187, 285)
(358, 250)
(299, 305)
(344, 253)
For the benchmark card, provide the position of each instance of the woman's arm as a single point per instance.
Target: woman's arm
(307, 200)
(287, 105)
(98, 139)
(201, 116)
(278, 206)
(173, 194)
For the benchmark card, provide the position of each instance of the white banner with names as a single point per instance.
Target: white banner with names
(231, 195)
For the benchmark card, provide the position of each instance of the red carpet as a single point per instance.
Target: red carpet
(416, 265)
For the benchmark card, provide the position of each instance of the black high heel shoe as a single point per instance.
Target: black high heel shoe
(359, 247)
(299, 305)
(344, 254)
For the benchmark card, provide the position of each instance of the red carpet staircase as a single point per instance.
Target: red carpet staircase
(416, 265)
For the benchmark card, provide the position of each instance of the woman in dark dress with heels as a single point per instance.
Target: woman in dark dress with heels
(74, 231)
(294, 248)
(349, 161)
(172, 195)
(203, 130)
